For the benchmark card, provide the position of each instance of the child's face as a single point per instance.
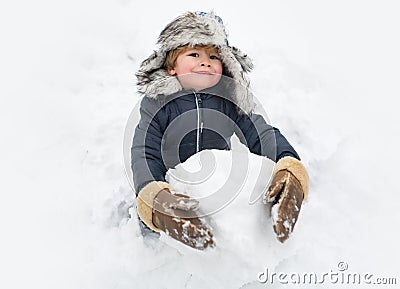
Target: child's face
(198, 68)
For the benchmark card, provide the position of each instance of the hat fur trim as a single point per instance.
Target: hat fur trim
(191, 29)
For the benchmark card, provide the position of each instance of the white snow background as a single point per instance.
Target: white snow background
(326, 72)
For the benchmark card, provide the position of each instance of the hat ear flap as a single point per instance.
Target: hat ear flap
(154, 79)
(154, 62)
(243, 59)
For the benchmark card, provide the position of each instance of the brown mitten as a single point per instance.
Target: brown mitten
(288, 189)
(175, 214)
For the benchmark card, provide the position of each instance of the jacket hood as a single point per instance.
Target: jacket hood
(191, 29)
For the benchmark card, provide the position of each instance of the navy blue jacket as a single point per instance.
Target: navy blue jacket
(173, 128)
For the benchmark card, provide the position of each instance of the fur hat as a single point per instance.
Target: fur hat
(190, 29)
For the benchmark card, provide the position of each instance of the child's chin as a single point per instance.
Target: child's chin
(204, 85)
(199, 82)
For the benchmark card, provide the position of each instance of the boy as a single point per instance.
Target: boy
(195, 97)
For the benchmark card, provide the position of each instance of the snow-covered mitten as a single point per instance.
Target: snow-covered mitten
(175, 214)
(288, 189)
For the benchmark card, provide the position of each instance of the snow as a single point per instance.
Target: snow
(327, 75)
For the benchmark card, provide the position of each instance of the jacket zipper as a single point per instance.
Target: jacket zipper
(199, 121)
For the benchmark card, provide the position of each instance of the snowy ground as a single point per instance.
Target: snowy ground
(327, 75)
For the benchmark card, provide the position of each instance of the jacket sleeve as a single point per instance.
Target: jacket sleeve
(262, 138)
(146, 159)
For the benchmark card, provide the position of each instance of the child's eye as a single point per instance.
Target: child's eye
(214, 57)
(194, 54)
